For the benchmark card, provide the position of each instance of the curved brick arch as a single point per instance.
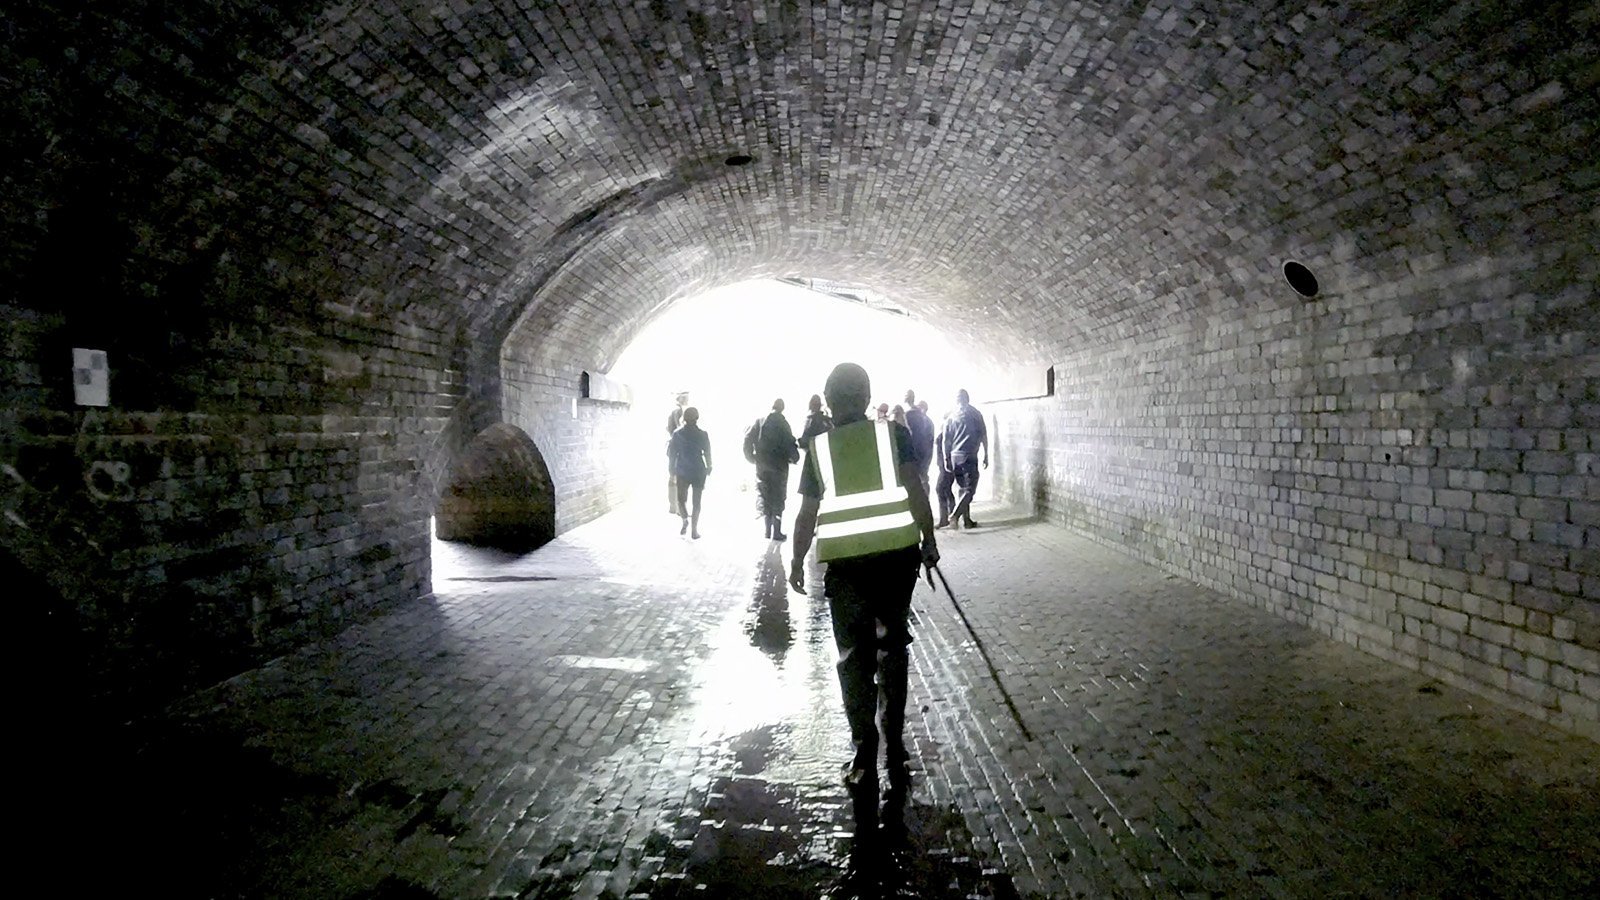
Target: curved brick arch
(325, 245)
(498, 493)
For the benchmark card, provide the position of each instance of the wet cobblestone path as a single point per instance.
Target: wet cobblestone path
(626, 713)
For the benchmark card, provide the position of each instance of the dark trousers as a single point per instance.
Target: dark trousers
(772, 483)
(684, 485)
(947, 497)
(870, 602)
(966, 476)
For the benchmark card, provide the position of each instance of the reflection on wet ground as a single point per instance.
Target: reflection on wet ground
(767, 622)
(629, 714)
(780, 824)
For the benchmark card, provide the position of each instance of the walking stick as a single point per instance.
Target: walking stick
(978, 642)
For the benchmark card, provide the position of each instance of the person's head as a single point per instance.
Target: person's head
(683, 399)
(815, 404)
(911, 398)
(898, 414)
(961, 397)
(848, 389)
(777, 405)
(691, 416)
(922, 406)
(883, 412)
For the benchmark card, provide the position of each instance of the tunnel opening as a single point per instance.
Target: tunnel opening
(737, 349)
(498, 494)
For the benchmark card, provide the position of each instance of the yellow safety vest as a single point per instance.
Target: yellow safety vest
(864, 508)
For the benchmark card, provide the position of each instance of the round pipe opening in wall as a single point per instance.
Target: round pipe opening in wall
(1300, 278)
(739, 159)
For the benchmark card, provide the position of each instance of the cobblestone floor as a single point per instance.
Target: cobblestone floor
(627, 713)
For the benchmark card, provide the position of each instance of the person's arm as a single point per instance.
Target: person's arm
(805, 529)
(706, 448)
(921, 511)
(983, 440)
(792, 448)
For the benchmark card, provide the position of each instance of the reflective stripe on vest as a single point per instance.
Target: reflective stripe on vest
(864, 508)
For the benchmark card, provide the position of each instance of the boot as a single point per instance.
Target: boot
(768, 533)
(777, 529)
(892, 675)
(860, 701)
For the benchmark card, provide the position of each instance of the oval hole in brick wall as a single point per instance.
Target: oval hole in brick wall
(102, 481)
(1300, 278)
(739, 159)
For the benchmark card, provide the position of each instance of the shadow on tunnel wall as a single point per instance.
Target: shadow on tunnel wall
(499, 493)
(1018, 473)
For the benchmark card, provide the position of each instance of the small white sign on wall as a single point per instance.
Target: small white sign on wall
(91, 378)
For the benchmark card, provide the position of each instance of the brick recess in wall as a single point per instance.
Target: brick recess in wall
(325, 245)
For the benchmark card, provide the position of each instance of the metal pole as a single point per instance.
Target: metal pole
(993, 673)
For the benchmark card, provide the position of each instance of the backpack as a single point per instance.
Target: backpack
(752, 436)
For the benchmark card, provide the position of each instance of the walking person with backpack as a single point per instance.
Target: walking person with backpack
(770, 444)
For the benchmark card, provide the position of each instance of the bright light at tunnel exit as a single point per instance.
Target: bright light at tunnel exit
(737, 348)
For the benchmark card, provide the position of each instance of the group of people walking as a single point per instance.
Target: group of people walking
(772, 446)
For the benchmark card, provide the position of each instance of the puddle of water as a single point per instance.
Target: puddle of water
(781, 824)
(502, 578)
(617, 663)
(760, 839)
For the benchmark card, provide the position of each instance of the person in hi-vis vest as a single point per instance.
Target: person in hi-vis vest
(868, 513)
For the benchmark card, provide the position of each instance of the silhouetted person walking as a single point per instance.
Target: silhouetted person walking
(689, 455)
(921, 428)
(775, 451)
(866, 509)
(964, 437)
(817, 422)
(945, 489)
(674, 419)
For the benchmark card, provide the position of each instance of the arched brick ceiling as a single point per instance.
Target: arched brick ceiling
(1034, 175)
(1039, 175)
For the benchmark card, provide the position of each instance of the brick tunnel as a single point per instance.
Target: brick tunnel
(1314, 286)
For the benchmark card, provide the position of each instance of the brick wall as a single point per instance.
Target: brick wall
(257, 480)
(1410, 463)
(187, 544)
(584, 441)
